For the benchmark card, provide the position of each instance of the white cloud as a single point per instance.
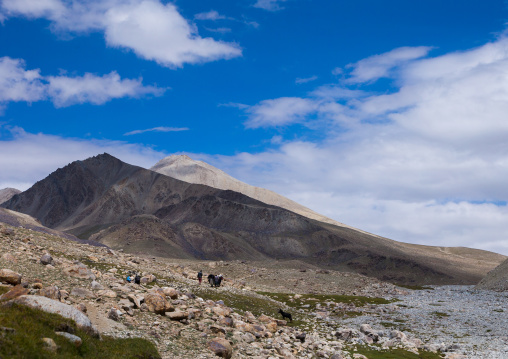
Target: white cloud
(279, 112)
(378, 66)
(153, 30)
(156, 129)
(37, 155)
(305, 80)
(18, 84)
(426, 164)
(210, 15)
(270, 5)
(66, 91)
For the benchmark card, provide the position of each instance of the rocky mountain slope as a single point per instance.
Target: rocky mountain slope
(497, 279)
(7, 193)
(335, 315)
(142, 211)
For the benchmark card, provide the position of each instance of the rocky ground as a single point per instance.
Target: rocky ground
(335, 315)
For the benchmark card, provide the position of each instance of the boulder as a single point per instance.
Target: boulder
(15, 292)
(79, 270)
(107, 293)
(177, 315)
(82, 293)
(221, 347)
(53, 306)
(96, 285)
(134, 300)
(51, 292)
(10, 277)
(46, 259)
(157, 303)
(170, 292)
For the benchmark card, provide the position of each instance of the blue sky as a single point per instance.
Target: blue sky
(388, 116)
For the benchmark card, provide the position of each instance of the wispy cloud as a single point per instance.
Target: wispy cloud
(157, 129)
(270, 5)
(151, 29)
(305, 80)
(18, 84)
(210, 15)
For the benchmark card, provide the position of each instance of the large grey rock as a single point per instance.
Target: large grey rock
(53, 306)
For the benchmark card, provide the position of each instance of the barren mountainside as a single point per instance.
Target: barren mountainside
(142, 211)
(7, 193)
(497, 279)
(186, 169)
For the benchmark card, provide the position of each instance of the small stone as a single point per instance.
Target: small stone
(96, 285)
(81, 307)
(49, 345)
(46, 259)
(74, 339)
(9, 258)
(114, 314)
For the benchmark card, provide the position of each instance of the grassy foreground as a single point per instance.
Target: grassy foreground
(22, 330)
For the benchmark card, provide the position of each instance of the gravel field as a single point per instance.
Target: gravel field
(468, 322)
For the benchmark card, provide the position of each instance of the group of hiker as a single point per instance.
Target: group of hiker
(136, 278)
(214, 280)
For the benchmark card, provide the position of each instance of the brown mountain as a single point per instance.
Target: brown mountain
(496, 279)
(124, 206)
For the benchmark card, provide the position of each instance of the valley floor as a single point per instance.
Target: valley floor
(468, 322)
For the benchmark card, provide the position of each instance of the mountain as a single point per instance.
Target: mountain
(186, 169)
(7, 193)
(142, 211)
(497, 279)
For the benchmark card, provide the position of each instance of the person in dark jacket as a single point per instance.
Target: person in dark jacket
(200, 276)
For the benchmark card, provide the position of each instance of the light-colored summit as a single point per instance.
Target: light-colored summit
(186, 169)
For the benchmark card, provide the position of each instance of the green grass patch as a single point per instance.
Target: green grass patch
(30, 326)
(395, 353)
(257, 305)
(4, 290)
(309, 301)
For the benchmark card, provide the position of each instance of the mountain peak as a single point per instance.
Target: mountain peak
(186, 169)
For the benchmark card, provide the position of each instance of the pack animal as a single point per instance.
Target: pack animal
(285, 315)
(215, 280)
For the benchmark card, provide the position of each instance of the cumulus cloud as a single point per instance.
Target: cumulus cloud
(151, 29)
(426, 163)
(37, 155)
(18, 84)
(157, 129)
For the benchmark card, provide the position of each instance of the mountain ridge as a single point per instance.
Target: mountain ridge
(142, 211)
